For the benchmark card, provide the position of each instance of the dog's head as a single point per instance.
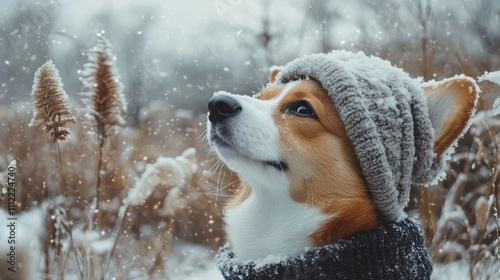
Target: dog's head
(291, 136)
(291, 140)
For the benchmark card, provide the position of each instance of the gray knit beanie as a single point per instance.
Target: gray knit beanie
(386, 118)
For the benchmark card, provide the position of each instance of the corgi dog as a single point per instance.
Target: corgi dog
(302, 186)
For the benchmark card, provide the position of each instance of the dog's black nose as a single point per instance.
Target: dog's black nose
(222, 107)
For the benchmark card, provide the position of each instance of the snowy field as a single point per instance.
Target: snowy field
(186, 261)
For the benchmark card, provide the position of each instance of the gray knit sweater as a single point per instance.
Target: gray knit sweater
(394, 251)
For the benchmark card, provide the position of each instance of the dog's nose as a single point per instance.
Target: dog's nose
(222, 107)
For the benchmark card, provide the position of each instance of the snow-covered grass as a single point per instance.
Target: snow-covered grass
(460, 215)
(192, 262)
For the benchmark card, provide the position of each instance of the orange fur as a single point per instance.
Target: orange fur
(329, 178)
(274, 71)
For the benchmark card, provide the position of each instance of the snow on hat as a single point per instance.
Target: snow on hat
(386, 118)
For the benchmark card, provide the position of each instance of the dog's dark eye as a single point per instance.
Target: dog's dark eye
(301, 108)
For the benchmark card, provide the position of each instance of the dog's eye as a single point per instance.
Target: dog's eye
(301, 108)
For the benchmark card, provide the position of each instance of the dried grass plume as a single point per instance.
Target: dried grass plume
(104, 97)
(51, 108)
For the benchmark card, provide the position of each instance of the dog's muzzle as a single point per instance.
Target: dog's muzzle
(222, 107)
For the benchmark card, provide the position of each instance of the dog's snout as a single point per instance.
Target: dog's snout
(222, 107)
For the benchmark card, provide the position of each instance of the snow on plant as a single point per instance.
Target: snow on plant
(168, 172)
(92, 240)
(493, 77)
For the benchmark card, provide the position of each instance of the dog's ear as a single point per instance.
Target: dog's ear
(451, 104)
(273, 72)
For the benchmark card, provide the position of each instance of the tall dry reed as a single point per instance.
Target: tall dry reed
(105, 101)
(52, 111)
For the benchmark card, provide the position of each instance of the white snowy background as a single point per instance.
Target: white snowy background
(172, 56)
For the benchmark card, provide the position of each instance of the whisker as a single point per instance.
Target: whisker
(221, 188)
(217, 194)
(208, 171)
(256, 74)
(228, 185)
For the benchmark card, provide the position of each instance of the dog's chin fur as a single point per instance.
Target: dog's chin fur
(301, 185)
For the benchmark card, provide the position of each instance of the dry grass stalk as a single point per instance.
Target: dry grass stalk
(51, 108)
(52, 111)
(104, 99)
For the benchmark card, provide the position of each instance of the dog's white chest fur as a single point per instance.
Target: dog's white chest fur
(269, 222)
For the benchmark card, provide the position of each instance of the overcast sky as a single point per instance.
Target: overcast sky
(183, 51)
